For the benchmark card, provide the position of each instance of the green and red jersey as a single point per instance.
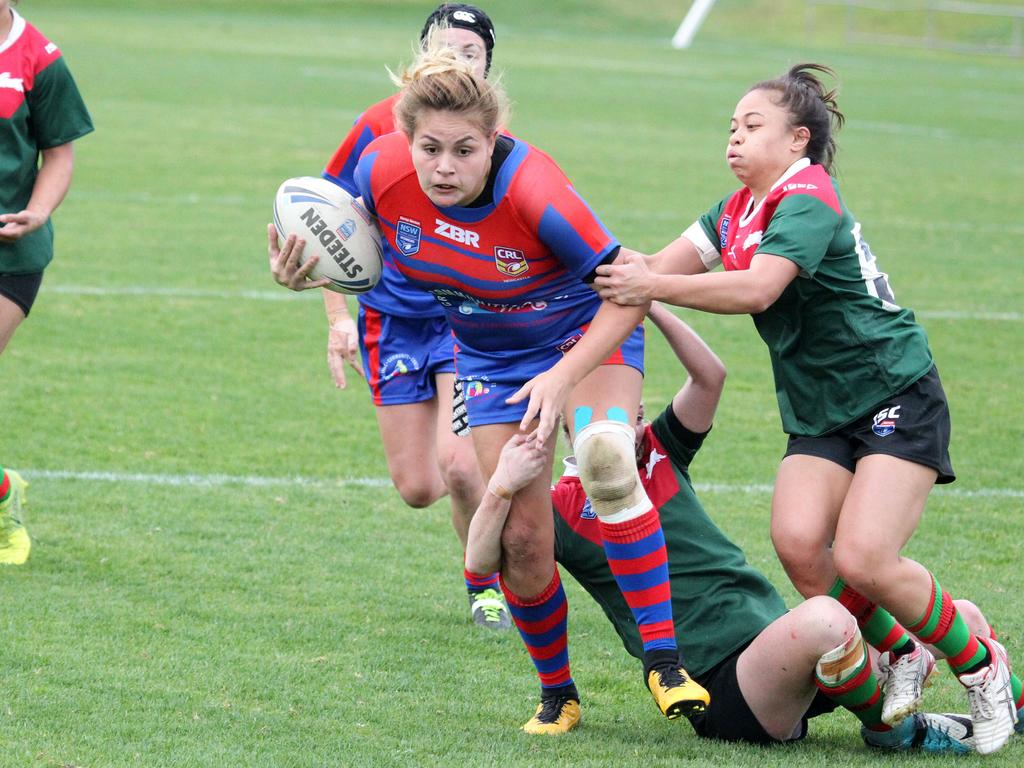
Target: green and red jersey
(839, 343)
(40, 108)
(719, 601)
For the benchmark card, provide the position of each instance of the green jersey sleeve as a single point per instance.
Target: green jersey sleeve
(59, 114)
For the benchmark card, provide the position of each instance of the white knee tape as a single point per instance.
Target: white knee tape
(606, 458)
(838, 665)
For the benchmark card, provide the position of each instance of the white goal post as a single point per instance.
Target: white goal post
(694, 18)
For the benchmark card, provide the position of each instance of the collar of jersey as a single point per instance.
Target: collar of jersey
(794, 169)
(501, 184)
(17, 28)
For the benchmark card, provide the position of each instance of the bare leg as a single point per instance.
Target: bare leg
(776, 671)
(809, 493)
(10, 318)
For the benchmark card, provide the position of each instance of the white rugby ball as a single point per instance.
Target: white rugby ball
(335, 227)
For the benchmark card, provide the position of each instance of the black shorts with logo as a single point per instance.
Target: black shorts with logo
(21, 289)
(728, 717)
(912, 425)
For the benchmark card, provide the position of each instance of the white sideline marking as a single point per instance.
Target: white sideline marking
(285, 295)
(209, 481)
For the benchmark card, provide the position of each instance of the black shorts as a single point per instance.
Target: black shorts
(912, 425)
(21, 289)
(728, 717)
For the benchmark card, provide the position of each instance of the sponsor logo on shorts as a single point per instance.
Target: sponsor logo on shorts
(407, 236)
(587, 513)
(723, 231)
(884, 422)
(510, 261)
(474, 388)
(398, 364)
(347, 229)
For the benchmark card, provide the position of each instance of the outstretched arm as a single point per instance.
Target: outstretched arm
(522, 459)
(695, 403)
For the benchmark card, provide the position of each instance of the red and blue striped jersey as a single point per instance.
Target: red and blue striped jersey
(510, 273)
(393, 294)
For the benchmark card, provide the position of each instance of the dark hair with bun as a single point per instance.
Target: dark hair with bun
(810, 104)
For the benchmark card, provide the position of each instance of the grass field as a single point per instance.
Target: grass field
(221, 573)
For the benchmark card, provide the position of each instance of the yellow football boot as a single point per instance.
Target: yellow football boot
(676, 694)
(14, 541)
(555, 715)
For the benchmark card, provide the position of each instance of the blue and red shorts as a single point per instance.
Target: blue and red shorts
(488, 377)
(402, 355)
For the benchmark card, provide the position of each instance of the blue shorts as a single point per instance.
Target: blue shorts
(402, 355)
(490, 377)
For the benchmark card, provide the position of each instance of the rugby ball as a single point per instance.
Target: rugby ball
(335, 227)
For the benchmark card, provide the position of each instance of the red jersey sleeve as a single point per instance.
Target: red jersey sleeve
(375, 121)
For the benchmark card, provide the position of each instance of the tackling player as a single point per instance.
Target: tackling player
(858, 390)
(41, 114)
(496, 232)
(768, 670)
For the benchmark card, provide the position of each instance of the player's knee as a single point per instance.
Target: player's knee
(521, 549)
(417, 491)
(606, 457)
(862, 565)
(825, 622)
(461, 474)
(972, 615)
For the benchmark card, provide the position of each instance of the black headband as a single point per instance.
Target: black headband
(463, 16)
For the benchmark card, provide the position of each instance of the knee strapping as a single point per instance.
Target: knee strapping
(606, 458)
(839, 664)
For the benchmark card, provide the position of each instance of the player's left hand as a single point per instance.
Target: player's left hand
(548, 394)
(629, 281)
(17, 225)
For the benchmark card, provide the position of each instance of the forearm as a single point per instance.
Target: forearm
(483, 542)
(53, 180)
(610, 327)
(336, 307)
(725, 293)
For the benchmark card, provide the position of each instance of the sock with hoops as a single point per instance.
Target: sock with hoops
(639, 561)
(542, 623)
(944, 627)
(477, 582)
(878, 627)
(845, 675)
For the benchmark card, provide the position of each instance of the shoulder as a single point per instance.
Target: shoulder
(38, 47)
(388, 153)
(812, 182)
(381, 116)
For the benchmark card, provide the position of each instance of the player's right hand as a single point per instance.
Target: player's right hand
(284, 263)
(342, 348)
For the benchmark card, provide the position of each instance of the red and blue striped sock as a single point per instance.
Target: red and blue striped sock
(477, 582)
(638, 559)
(542, 623)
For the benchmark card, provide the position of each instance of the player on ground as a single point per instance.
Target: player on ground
(768, 670)
(404, 344)
(858, 390)
(495, 231)
(41, 114)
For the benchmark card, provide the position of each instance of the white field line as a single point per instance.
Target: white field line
(284, 295)
(298, 481)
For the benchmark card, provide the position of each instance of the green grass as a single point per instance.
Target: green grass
(315, 620)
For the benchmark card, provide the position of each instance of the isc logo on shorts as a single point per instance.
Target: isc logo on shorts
(884, 422)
